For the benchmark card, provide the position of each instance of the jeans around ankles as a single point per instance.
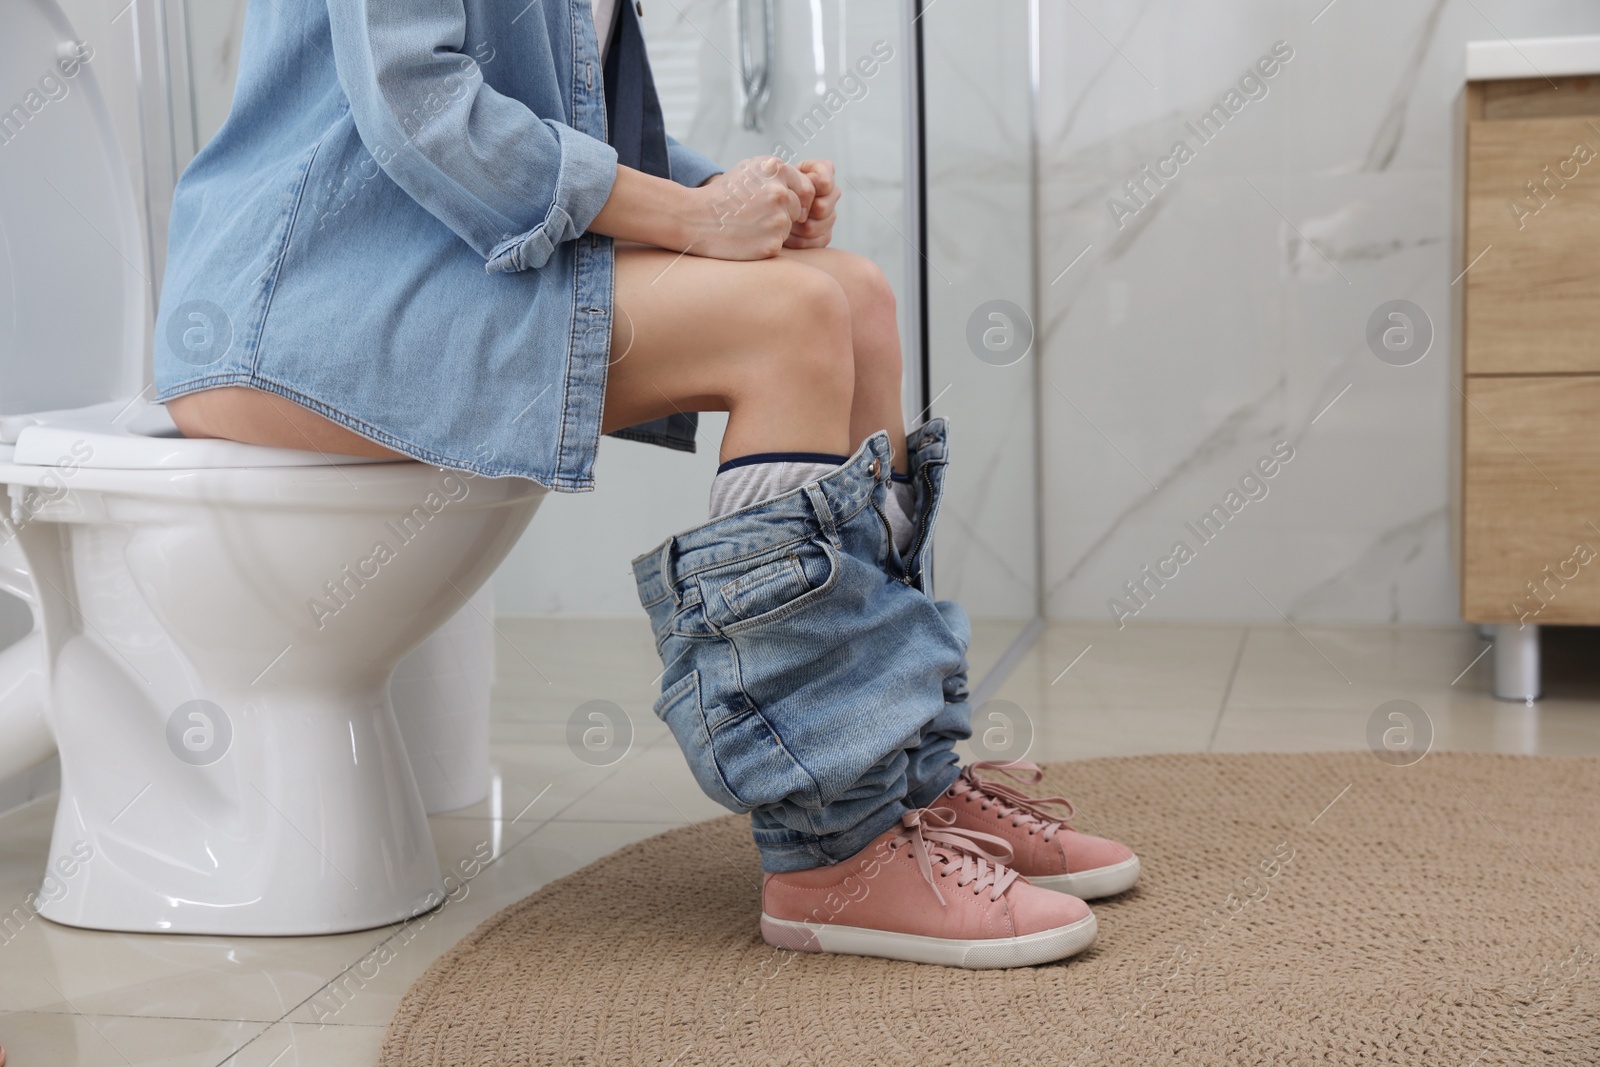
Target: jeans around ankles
(809, 680)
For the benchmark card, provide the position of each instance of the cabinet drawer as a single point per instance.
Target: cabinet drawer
(1530, 499)
(1532, 302)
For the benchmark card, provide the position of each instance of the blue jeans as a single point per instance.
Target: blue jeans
(810, 681)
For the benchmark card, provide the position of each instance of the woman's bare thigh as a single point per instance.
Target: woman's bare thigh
(767, 340)
(256, 417)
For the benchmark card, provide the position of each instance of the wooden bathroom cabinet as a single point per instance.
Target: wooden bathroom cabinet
(1527, 515)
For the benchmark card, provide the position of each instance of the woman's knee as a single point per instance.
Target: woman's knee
(875, 330)
(810, 331)
(871, 294)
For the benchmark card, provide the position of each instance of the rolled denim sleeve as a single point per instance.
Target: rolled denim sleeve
(511, 184)
(689, 167)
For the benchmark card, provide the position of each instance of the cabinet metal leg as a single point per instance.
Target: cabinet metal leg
(1516, 663)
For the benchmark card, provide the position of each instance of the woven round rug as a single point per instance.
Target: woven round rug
(1325, 908)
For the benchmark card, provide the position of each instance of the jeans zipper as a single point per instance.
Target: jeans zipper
(888, 530)
(922, 526)
(922, 523)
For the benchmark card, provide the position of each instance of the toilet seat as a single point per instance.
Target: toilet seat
(138, 435)
(133, 449)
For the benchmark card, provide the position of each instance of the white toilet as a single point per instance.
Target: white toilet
(216, 626)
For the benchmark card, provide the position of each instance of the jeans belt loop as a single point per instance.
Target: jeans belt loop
(819, 504)
(664, 568)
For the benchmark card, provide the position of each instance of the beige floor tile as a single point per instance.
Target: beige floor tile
(1291, 730)
(1318, 688)
(289, 1044)
(533, 781)
(24, 848)
(39, 1039)
(1142, 667)
(1548, 728)
(505, 728)
(507, 731)
(1325, 666)
(58, 968)
(1086, 733)
(991, 638)
(538, 719)
(654, 784)
(368, 992)
(1482, 725)
(568, 661)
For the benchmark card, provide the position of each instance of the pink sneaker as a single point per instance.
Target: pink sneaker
(1046, 851)
(927, 892)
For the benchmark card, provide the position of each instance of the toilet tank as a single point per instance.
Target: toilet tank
(75, 293)
(76, 288)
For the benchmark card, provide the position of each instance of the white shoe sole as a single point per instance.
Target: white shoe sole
(1092, 885)
(1024, 951)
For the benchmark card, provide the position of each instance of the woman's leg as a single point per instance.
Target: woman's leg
(801, 662)
(787, 346)
(875, 344)
(768, 342)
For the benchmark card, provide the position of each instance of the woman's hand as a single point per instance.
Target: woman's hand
(816, 229)
(751, 211)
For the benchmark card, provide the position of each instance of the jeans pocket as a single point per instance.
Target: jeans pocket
(774, 587)
(679, 707)
(737, 759)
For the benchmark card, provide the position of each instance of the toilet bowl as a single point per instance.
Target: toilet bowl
(216, 627)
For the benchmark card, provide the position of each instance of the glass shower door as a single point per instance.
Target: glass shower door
(980, 277)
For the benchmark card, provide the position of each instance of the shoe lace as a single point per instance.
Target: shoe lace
(1024, 810)
(934, 838)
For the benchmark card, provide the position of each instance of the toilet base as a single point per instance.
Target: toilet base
(227, 836)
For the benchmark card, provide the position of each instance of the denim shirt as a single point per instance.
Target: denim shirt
(390, 230)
